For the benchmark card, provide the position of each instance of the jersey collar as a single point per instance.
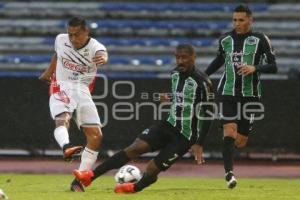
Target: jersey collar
(86, 43)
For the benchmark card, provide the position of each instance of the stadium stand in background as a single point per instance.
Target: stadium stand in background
(140, 36)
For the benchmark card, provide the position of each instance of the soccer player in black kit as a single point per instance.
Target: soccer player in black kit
(245, 55)
(185, 128)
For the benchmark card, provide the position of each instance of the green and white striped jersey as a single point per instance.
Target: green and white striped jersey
(190, 91)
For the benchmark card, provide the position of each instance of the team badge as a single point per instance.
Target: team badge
(251, 40)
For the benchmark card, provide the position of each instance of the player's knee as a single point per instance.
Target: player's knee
(240, 143)
(96, 137)
(62, 120)
(230, 130)
(93, 134)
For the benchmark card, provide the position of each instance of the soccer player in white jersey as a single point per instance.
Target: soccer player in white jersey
(75, 62)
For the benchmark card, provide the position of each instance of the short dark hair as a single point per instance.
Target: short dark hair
(188, 47)
(243, 8)
(77, 21)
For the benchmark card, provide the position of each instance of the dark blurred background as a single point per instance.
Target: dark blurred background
(140, 38)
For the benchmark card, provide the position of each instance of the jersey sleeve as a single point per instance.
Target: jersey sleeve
(268, 64)
(57, 40)
(217, 62)
(205, 116)
(99, 47)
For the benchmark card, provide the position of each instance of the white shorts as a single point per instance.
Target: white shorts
(86, 113)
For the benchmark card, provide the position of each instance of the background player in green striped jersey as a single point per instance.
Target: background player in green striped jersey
(185, 128)
(245, 55)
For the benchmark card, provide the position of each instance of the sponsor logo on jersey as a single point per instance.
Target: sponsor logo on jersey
(74, 66)
(252, 40)
(86, 52)
(236, 58)
(190, 84)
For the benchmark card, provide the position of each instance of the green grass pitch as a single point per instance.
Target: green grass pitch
(56, 187)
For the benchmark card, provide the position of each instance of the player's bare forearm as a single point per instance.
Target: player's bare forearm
(46, 75)
(246, 69)
(197, 152)
(100, 58)
(164, 97)
(249, 69)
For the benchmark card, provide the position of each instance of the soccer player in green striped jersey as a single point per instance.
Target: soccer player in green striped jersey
(185, 128)
(245, 55)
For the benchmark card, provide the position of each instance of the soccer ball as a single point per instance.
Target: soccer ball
(128, 173)
(2, 195)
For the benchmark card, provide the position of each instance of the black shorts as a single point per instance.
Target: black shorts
(243, 111)
(172, 144)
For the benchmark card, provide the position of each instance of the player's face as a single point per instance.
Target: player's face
(185, 61)
(241, 22)
(78, 36)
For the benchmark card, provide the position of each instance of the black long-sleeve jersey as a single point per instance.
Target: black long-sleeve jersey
(191, 94)
(252, 48)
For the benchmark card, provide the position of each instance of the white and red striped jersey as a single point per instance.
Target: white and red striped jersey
(74, 68)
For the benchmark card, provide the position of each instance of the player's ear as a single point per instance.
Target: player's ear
(87, 30)
(194, 56)
(250, 20)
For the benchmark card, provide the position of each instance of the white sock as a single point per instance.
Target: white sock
(88, 159)
(61, 136)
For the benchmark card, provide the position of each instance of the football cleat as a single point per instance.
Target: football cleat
(72, 153)
(85, 177)
(76, 186)
(230, 179)
(124, 188)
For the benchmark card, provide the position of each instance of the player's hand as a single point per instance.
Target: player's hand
(246, 69)
(100, 59)
(45, 78)
(163, 97)
(197, 151)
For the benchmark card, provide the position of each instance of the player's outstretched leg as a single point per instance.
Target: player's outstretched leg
(89, 154)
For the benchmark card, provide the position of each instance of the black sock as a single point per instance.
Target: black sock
(145, 181)
(228, 150)
(68, 145)
(114, 162)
